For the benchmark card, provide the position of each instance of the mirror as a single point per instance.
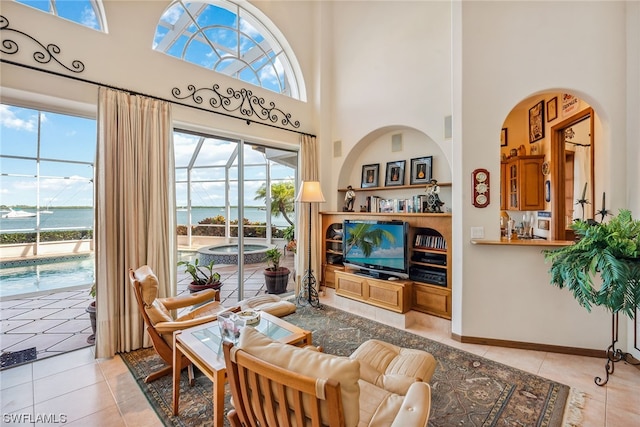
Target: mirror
(546, 148)
(572, 178)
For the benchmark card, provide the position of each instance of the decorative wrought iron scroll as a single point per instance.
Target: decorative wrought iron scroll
(43, 54)
(242, 101)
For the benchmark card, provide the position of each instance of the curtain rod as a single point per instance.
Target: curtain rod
(132, 92)
(577, 143)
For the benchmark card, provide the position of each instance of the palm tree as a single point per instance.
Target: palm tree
(367, 238)
(282, 197)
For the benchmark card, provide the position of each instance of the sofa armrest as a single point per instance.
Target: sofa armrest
(416, 406)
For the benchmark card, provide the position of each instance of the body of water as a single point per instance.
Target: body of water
(62, 218)
(46, 275)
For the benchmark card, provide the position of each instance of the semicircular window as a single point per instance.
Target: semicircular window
(89, 13)
(228, 39)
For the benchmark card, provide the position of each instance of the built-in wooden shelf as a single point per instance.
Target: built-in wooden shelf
(523, 242)
(396, 187)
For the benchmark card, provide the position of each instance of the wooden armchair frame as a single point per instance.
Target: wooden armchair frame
(203, 314)
(267, 395)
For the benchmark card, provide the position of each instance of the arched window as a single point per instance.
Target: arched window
(89, 13)
(225, 37)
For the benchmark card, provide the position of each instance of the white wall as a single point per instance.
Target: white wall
(390, 70)
(509, 51)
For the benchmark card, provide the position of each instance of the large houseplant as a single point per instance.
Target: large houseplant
(202, 275)
(276, 277)
(602, 269)
(608, 252)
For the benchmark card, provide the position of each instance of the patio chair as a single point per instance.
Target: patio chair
(161, 323)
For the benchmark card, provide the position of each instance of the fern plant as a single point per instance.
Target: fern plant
(608, 252)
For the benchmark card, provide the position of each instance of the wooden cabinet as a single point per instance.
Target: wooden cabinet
(394, 295)
(429, 253)
(523, 183)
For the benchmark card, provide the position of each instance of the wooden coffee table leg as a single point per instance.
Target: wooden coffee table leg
(177, 367)
(218, 397)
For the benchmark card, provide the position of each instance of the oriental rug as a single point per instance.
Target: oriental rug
(467, 390)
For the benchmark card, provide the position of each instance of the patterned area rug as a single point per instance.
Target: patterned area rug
(467, 390)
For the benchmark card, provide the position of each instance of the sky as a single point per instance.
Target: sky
(71, 184)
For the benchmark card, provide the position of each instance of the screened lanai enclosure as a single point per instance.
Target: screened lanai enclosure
(230, 191)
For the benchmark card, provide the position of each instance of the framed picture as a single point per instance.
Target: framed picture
(503, 137)
(536, 122)
(370, 175)
(421, 170)
(552, 109)
(395, 173)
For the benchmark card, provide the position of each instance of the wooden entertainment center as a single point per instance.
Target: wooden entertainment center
(428, 288)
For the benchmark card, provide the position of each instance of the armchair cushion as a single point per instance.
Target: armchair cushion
(380, 407)
(391, 367)
(309, 363)
(157, 312)
(269, 303)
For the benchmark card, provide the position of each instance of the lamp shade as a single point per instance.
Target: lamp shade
(310, 192)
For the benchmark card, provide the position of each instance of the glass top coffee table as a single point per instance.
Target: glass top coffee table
(202, 345)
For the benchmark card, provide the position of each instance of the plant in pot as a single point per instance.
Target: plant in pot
(602, 269)
(289, 235)
(276, 277)
(91, 309)
(202, 275)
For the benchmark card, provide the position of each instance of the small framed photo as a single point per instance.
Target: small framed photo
(503, 137)
(552, 109)
(395, 173)
(421, 170)
(536, 122)
(370, 175)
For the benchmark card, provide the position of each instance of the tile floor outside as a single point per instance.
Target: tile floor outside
(76, 388)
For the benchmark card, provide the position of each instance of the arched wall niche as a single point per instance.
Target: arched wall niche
(555, 119)
(383, 145)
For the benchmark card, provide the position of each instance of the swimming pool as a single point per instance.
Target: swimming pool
(37, 275)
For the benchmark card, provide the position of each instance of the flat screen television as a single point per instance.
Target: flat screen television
(376, 248)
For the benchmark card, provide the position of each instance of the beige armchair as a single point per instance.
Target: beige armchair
(160, 322)
(275, 384)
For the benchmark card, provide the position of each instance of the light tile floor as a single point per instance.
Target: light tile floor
(85, 391)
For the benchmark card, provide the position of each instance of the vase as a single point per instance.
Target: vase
(276, 281)
(194, 287)
(91, 309)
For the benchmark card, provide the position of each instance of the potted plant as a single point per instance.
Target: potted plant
(602, 269)
(202, 275)
(290, 237)
(276, 277)
(91, 309)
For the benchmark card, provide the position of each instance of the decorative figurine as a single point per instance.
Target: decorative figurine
(603, 212)
(434, 203)
(349, 199)
(583, 200)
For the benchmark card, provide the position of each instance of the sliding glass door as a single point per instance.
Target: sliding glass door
(233, 196)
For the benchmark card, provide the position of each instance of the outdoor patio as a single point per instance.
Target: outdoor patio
(57, 322)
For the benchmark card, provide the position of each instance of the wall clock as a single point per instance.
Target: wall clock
(480, 184)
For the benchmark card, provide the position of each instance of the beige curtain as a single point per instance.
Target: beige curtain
(135, 220)
(308, 172)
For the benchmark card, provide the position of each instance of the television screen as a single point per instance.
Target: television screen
(376, 246)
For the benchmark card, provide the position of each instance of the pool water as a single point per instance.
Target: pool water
(60, 273)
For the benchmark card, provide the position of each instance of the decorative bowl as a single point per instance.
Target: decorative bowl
(250, 316)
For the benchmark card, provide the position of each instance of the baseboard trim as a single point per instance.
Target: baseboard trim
(531, 346)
